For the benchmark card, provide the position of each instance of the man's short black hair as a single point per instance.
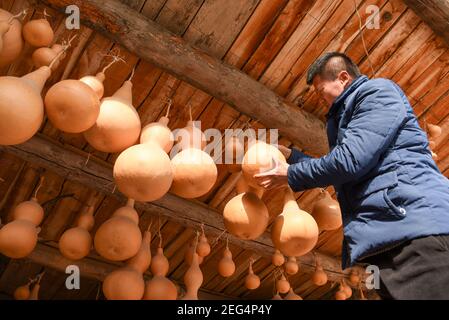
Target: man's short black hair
(330, 65)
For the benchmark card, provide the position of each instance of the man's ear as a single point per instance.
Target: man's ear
(344, 78)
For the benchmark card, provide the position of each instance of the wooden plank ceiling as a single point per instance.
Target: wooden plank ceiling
(273, 41)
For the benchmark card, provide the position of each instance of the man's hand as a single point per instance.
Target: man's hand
(285, 151)
(274, 178)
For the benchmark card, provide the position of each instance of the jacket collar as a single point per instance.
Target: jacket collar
(357, 82)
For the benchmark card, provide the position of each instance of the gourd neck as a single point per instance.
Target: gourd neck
(290, 203)
(38, 78)
(125, 93)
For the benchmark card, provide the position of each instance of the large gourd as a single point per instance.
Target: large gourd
(19, 237)
(143, 172)
(194, 171)
(119, 238)
(326, 212)
(76, 243)
(294, 232)
(245, 215)
(38, 33)
(21, 106)
(159, 287)
(118, 124)
(11, 41)
(72, 106)
(127, 283)
(259, 158)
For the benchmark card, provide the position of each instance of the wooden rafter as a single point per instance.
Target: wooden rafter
(433, 12)
(151, 42)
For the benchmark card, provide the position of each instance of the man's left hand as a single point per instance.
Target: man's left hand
(274, 178)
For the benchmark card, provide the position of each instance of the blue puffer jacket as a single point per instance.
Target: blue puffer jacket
(389, 188)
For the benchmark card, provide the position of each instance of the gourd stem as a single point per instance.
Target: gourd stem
(41, 181)
(58, 56)
(218, 238)
(132, 74)
(159, 232)
(149, 226)
(23, 12)
(169, 102)
(190, 112)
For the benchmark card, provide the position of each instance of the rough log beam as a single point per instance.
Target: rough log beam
(151, 42)
(72, 164)
(433, 12)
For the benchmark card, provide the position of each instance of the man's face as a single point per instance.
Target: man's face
(329, 90)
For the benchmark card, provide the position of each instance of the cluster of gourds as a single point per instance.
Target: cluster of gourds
(294, 231)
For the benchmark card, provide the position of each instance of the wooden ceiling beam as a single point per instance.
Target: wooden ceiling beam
(153, 43)
(76, 165)
(433, 12)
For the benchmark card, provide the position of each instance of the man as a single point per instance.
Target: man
(394, 199)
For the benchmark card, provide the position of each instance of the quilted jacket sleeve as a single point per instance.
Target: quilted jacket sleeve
(297, 156)
(378, 114)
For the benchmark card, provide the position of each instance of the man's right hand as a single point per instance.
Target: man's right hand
(285, 151)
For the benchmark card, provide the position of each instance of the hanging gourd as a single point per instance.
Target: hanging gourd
(21, 106)
(277, 259)
(119, 238)
(347, 289)
(191, 137)
(118, 124)
(203, 248)
(234, 152)
(291, 266)
(326, 212)
(34, 294)
(23, 292)
(127, 283)
(11, 41)
(76, 243)
(319, 277)
(259, 158)
(44, 56)
(226, 267)
(143, 172)
(73, 106)
(342, 293)
(159, 287)
(282, 284)
(38, 32)
(354, 278)
(292, 295)
(252, 281)
(19, 237)
(294, 232)
(277, 297)
(159, 132)
(194, 171)
(188, 256)
(193, 278)
(246, 215)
